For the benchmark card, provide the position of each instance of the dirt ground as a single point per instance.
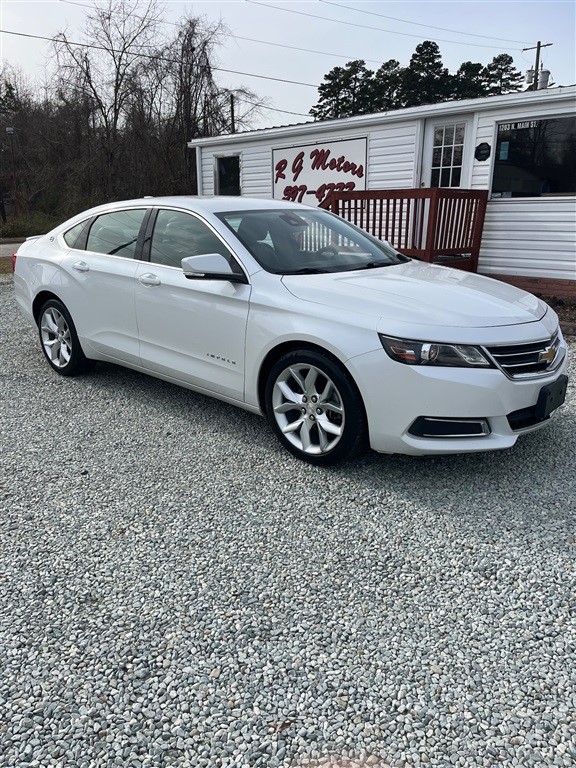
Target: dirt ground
(564, 308)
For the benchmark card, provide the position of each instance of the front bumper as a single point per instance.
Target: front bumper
(396, 396)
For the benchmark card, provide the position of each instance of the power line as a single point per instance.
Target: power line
(364, 26)
(273, 109)
(84, 5)
(154, 57)
(303, 50)
(250, 39)
(416, 23)
(172, 61)
(309, 50)
(243, 98)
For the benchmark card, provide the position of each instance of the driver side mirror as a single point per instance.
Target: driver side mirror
(210, 266)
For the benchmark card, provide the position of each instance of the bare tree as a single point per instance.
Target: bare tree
(115, 119)
(179, 93)
(108, 70)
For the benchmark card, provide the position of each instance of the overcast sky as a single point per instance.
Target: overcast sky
(331, 33)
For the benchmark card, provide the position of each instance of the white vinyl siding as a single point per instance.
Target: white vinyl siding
(531, 237)
(391, 162)
(208, 173)
(392, 154)
(255, 169)
(482, 170)
(534, 237)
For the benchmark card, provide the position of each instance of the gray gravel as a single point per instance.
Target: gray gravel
(175, 590)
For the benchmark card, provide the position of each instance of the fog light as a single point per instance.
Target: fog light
(434, 427)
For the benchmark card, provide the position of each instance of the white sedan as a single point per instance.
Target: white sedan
(292, 312)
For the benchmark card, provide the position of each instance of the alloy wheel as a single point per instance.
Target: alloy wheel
(56, 337)
(308, 409)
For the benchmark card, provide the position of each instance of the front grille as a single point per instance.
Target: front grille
(527, 360)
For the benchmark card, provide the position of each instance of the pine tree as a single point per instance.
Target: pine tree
(356, 90)
(386, 87)
(502, 76)
(469, 82)
(344, 92)
(425, 80)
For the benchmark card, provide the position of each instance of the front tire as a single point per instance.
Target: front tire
(59, 340)
(315, 408)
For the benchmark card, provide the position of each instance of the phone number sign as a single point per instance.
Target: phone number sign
(307, 174)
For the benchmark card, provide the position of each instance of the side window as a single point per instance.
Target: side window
(177, 235)
(116, 233)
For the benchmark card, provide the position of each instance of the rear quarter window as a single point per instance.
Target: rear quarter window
(73, 235)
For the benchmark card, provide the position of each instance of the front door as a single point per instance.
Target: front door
(447, 153)
(191, 330)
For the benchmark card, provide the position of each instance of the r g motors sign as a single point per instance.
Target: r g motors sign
(307, 174)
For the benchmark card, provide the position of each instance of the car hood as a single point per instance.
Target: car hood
(419, 293)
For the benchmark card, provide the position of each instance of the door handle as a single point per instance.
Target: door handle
(80, 266)
(149, 279)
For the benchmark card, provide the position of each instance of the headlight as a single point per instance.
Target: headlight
(413, 352)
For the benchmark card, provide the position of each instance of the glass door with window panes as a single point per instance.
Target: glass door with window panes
(446, 161)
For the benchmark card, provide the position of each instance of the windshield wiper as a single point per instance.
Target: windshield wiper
(307, 271)
(375, 264)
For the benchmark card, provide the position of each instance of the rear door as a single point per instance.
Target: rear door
(101, 278)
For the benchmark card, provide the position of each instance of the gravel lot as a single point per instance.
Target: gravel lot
(175, 590)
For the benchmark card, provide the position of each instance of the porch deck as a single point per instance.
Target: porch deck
(436, 225)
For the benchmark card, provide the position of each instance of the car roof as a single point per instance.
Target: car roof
(201, 204)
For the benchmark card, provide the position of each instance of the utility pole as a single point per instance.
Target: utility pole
(10, 133)
(538, 47)
(232, 124)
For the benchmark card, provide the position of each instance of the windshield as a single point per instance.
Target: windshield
(307, 242)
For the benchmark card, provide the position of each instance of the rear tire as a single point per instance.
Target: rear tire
(315, 409)
(59, 340)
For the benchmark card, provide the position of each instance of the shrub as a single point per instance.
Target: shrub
(27, 225)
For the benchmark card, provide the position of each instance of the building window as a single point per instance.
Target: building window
(228, 175)
(535, 158)
(447, 153)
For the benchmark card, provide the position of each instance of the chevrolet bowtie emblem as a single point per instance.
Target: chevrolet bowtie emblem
(547, 356)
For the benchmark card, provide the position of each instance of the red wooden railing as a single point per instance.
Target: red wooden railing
(436, 225)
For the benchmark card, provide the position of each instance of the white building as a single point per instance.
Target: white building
(520, 147)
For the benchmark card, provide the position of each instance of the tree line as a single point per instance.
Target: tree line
(116, 113)
(122, 100)
(356, 90)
